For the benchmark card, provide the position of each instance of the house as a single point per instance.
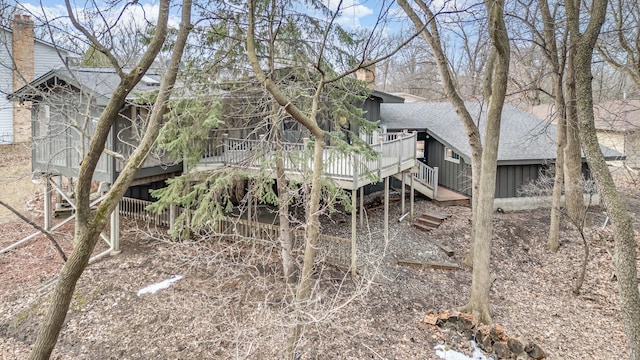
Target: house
(68, 101)
(22, 58)
(66, 105)
(617, 126)
(527, 146)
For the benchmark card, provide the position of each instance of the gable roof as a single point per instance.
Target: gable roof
(524, 138)
(42, 42)
(98, 82)
(387, 97)
(616, 115)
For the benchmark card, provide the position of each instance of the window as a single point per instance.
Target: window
(450, 155)
(420, 149)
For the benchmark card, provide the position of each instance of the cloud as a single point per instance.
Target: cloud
(351, 12)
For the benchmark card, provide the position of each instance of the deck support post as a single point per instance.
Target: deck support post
(386, 210)
(354, 193)
(115, 231)
(404, 182)
(411, 198)
(173, 210)
(47, 203)
(362, 207)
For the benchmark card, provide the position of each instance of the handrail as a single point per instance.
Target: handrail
(394, 152)
(428, 176)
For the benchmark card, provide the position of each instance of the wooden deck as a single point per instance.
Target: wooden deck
(446, 197)
(396, 154)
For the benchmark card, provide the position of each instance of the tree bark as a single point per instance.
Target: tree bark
(312, 233)
(89, 224)
(574, 193)
(483, 230)
(431, 34)
(625, 244)
(557, 66)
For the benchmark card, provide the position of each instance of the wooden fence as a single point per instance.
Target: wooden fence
(332, 250)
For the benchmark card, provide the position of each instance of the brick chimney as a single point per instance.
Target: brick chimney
(368, 75)
(22, 45)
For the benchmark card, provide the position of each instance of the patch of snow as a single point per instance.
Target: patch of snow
(443, 353)
(151, 289)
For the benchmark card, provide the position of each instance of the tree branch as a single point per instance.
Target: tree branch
(37, 227)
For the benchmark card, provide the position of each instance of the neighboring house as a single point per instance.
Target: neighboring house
(22, 58)
(527, 144)
(617, 126)
(67, 103)
(410, 98)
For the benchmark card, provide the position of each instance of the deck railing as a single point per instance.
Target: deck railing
(428, 176)
(394, 150)
(333, 250)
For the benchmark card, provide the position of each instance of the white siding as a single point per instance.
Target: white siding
(6, 81)
(45, 59)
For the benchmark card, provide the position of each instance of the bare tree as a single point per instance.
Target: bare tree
(484, 158)
(90, 223)
(584, 43)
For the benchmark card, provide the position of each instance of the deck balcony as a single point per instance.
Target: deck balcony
(396, 154)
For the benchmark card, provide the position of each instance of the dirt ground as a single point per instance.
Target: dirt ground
(229, 303)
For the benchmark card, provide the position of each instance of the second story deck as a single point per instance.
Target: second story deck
(396, 154)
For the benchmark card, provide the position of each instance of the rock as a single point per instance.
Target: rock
(502, 351)
(534, 351)
(467, 321)
(430, 318)
(515, 345)
(497, 333)
(484, 341)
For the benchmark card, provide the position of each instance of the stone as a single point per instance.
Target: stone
(502, 351)
(497, 333)
(515, 345)
(467, 321)
(534, 351)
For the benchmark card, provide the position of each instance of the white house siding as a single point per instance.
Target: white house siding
(6, 81)
(45, 59)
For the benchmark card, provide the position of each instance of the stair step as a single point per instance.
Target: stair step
(425, 228)
(437, 216)
(428, 222)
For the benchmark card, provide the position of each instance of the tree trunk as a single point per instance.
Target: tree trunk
(286, 245)
(625, 244)
(312, 233)
(90, 223)
(557, 66)
(574, 198)
(483, 228)
(452, 93)
(553, 240)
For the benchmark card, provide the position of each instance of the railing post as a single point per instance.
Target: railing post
(225, 148)
(401, 145)
(380, 157)
(435, 181)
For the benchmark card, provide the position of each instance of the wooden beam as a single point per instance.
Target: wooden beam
(47, 203)
(411, 199)
(386, 210)
(354, 193)
(429, 264)
(115, 231)
(362, 207)
(404, 179)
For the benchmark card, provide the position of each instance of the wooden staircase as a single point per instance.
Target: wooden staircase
(429, 221)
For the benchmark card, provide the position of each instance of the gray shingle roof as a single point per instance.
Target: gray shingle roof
(100, 82)
(524, 138)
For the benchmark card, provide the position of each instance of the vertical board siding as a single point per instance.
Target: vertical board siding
(510, 178)
(6, 87)
(455, 176)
